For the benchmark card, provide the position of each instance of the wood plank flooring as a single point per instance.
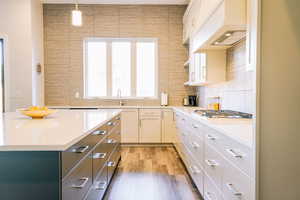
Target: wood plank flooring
(151, 173)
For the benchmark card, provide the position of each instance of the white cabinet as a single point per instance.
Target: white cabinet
(130, 126)
(207, 67)
(168, 126)
(150, 125)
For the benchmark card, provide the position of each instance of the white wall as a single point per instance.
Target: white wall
(16, 27)
(279, 119)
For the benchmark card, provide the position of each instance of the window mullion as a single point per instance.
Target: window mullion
(133, 69)
(109, 69)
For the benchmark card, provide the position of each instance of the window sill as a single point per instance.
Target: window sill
(123, 98)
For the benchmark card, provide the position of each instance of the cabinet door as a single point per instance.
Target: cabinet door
(150, 130)
(168, 127)
(130, 126)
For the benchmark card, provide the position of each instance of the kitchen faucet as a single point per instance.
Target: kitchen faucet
(119, 94)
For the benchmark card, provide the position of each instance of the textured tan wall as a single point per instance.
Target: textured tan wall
(64, 52)
(237, 93)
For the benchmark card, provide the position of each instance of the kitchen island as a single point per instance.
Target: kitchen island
(70, 155)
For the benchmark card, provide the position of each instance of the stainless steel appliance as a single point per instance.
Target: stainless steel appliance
(223, 114)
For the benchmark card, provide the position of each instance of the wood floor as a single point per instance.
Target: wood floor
(151, 173)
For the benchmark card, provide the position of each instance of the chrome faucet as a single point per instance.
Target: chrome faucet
(119, 93)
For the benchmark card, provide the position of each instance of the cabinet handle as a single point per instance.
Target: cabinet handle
(80, 149)
(99, 155)
(194, 126)
(208, 196)
(111, 141)
(118, 118)
(211, 137)
(195, 170)
(234, 153)
(195, 145)
(211, 163)
(233, 190)
(99, 132)
(111, 164)
(101, 185)
(85, 181)
(110, 124)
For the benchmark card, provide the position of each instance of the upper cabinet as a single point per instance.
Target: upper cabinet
(196, 15)
(225, 26)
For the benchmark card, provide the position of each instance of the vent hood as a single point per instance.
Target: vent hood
(224, 27)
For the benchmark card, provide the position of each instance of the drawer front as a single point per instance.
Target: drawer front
(113, 162)
(239, 155)
(76, 185)
(211, 192)
(236, 184)
(112, 123)
(214, 165)
(150, 113)
(100, 156)
(75, 153)
(196, 173)
(113, 140)
(99, 186)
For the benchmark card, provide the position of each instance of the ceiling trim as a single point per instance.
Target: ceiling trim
(120, 2)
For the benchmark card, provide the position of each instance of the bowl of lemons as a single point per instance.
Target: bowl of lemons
(36, 112)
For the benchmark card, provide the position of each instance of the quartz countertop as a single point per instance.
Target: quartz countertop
(112, 107)
(56, 132)
(241, 130)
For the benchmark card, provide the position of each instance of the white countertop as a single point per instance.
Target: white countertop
(241, 130)
(111, 107)
(55, 133)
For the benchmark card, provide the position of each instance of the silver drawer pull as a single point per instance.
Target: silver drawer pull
(211, 163)
(211, 137)
(101, 185)
(195, 170)
(111, 164)
(118, 118)
(80, 149)
(234, 191)
(183, 119)
(85, 181)
(99, 155)
(99, 132)
(208, 196)
(234, 153)
(111, 141)
(110, 124)
(195, 126)
(195, 145)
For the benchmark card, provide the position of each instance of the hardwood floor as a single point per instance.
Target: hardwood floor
(151, 173)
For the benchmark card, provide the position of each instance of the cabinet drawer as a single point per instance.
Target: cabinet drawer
(196, 173)
(74, 154)
(99, 186)
(236, 185)
(214, 165)
(100, 156)
(112, 123)
(196, 147)
(211, 192)
(150, 113)
(239, 155)
(77, 183)
(113, 162)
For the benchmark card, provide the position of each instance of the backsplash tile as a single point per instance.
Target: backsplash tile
(237, 93)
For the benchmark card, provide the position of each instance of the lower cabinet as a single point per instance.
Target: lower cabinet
(130, 126)
(219, 166)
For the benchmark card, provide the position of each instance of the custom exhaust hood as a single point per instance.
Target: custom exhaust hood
(224, 27)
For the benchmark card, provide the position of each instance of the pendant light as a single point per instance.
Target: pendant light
(76, 16)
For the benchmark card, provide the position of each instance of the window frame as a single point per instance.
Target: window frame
(109, 41)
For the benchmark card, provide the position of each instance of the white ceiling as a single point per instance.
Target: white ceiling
(165, 2)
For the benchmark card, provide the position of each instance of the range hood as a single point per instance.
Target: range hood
(224, 27)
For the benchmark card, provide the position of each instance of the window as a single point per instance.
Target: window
(120, 68)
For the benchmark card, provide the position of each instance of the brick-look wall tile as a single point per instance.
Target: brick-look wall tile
(64, 48)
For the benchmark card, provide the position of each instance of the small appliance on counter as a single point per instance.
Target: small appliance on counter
(190, 100)
(164, 99)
